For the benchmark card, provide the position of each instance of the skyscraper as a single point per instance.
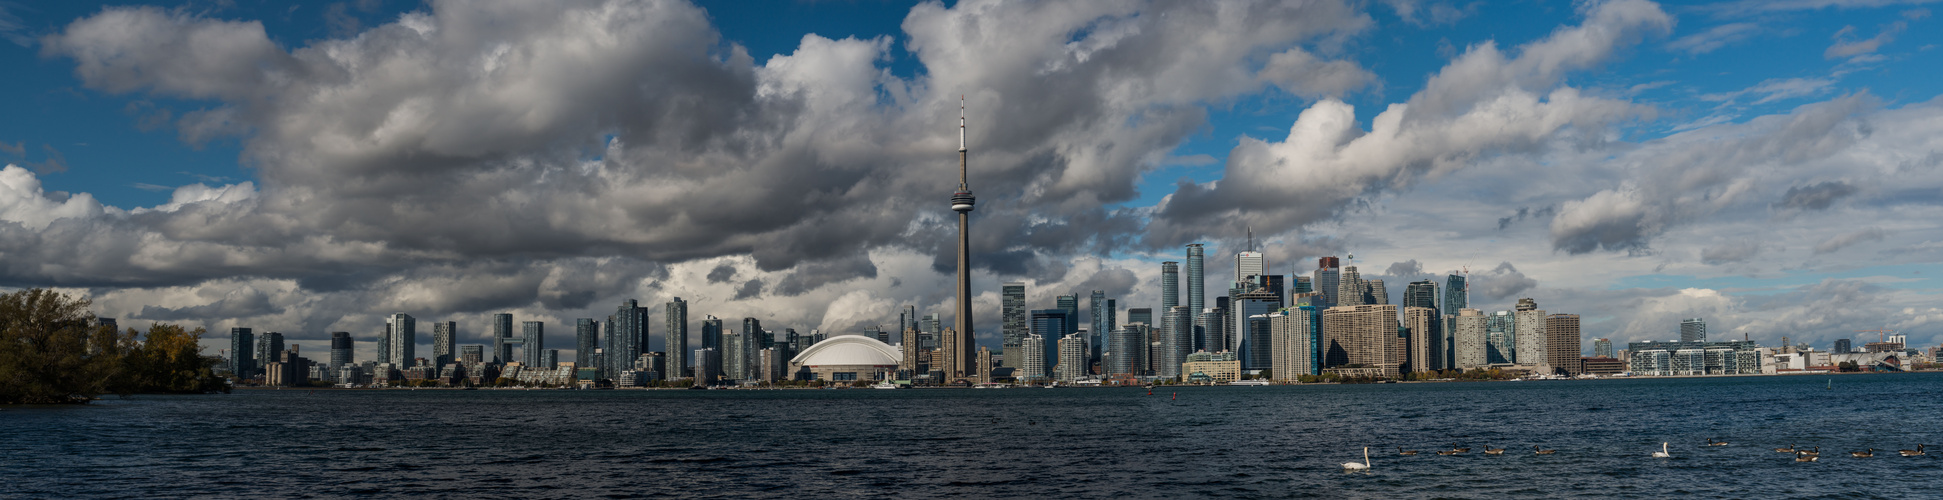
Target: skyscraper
(1178, 340)
(1303, 284)
(1693, 330)
(627, 337)
(961, 202)
(242, 353)
(1456, 294)
(445, 343)
(711, 336)
(1424, 348)
(1050, 325)
(1350, 289)
(1374, 293)
(1015, 318)
(1170, 286)
(753, 336)
(1469, 337)
(341, 350)
(1532, 341)
(1141, 315)
(677, 343)
(1248, 264)
(502, 338)
(404, 339)
(1328, 280)
(1102, 316)
(384, 346)
(1420, 293)
(1032, 358)
(1295, 345)
(1500, 337)
(1251, 329)
(1562, 343)
(533, 334)
(586, 338)
(1128, 352)
(1361, 335)
(1072, 358)
(1197, 286)
(472, 354)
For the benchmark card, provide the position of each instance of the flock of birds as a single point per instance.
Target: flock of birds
(1801, 455)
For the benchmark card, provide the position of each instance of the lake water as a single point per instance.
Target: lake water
(1219, 441)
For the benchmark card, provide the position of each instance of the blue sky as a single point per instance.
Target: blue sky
(1694, 160)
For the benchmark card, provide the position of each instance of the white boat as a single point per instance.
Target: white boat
(885, 385)
(1249, 382)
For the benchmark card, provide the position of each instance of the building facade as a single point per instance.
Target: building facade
(1562, 344)
(676, 346)
(1361, 336)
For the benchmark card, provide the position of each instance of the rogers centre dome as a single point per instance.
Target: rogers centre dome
(846, 358)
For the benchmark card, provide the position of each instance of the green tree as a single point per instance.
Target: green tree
(49, 353)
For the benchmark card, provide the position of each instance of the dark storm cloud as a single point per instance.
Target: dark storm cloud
(722, 273)
(749, 290)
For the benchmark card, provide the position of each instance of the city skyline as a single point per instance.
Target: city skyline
(829, 219)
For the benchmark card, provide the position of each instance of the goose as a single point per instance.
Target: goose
(1805, 457)
(1351, 466)
(1789, 449)
(1912, 453)
(1448, 452)
(1536, 451)
(1410, 453)
(1712, 442)
(1863, 454)
(1662, 453)
(1488, 450)
(1465, 449)
(1814, 453)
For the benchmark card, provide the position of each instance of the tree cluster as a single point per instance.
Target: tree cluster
(51, 352)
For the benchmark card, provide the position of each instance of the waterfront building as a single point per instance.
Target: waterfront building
(708, 366)
(1602, 366)
(586, 338)
(1327, 279)
(1032, 358)
(533, 343)
(1693, 330)
(1101, 316)
(1499, 331)
(242, 353)
(1051, 325)
(908, 353)
(960, 350)
(1472, 340)
(627, 337)
(1127, 355)
(502, 338)
(472, 354)
(1602, 348)
(549, 359)
(1562, 343)
(1211, 368)
(1361, 336)
(735, 358)
(1423, 346)
(1197, 289)
(1252, 329)
(1178, 339)
(1295, 343)
(1170, 294)
(1734, 357)
(342, 348)
(985, 366)
(445, 341)
(1215, 335)
(959, 361)
(712, 333)
(675, 313)
(1072, 358)
(1014, 319)
(268, 347)
(1530, 347)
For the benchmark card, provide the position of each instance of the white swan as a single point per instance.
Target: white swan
(1662, 453)
(1349, 466)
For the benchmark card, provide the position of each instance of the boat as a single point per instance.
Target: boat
(885, 385)
(1249, 382)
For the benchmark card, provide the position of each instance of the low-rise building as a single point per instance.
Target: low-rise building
(1211, 367)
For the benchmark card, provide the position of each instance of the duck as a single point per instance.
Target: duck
(1712, 442)
(1863, 454)
(1410, 453)
(1488, 450)
(1536, 451)
(1913, 453)
(1802, 456)
(1353, 466)
(1789, 449)
(1662, 453)
(1813, 453)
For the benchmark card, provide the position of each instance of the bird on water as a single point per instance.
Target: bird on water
(1789, 449)
(1488, 450)
(1662, 453)
(1913, 453)
(1863, 454)
(1410, 453)
(1805, 457)
(1712, 442)
(1350, 466)
(1536, 451)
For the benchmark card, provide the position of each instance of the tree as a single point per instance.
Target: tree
(50, 353)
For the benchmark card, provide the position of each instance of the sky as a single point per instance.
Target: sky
(310, 167)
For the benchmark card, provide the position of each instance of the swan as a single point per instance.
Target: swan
(1410, 453)
(1350, 466)
(1536, 451)
(1804, 457)
(1662, 453)
(1789, 449)
(1488, 450)
(1912, 453)
(1863, 454)
(1712, 442)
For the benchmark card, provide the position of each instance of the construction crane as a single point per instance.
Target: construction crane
(1881, 335)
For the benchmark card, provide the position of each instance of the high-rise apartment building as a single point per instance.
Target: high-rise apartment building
(533, 336)
(754, 338)
(1128, 353)
(242, 353)
(735, 360)
(586, 338)
(676, 345)
(1693, 330)
(627, 337)
(1532, 341)
(472, 355)
(1170, 292)
(404, 339)
(908, 351)
(445, 343)
(1014, 319)
(1101, 316)
(1361, 336)
(1469, 337)
(711, 334)
(502, 338)
(1197, 287)
(1500, 338)
(1072, 358)
(1424, 346)
(1032, 358)
(1602, 348)
(549, 359)
(1562, 343)
(1420, 293)
(341, 350)
(1295, 343)
(1178, 341)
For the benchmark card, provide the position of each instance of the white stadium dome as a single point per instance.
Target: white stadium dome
(848, 350)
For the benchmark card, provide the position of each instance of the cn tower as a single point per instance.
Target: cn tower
(959, 348)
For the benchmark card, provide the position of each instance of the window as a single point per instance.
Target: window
(843, 376)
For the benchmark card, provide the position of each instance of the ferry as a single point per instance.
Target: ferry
(1249, 382)
(886, 385)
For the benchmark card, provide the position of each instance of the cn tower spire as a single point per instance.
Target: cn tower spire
(962, 185)
(959, 343)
